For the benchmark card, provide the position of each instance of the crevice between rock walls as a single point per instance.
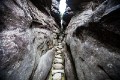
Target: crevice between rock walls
(29, 30)
(70, 69)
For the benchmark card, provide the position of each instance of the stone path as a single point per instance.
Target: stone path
(57, 71)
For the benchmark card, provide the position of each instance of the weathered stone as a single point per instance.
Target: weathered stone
(44, 65)
(92, 40)
(57, 76)
(58, 56)
(26, 35)
(57, 71)
(29, 30)
(57, 48)
(60, 43)
(59, 52)
(60, 46)
(55, 11)
(59, 40)
(57, 60)
(58, 66)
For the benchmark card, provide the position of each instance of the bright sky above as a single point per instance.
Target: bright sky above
(62, 6)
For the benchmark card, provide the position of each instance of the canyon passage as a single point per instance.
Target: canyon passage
(38, 42)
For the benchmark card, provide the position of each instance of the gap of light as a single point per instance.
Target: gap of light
(62, 6)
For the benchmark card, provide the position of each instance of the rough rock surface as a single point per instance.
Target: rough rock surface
(29, 33)
(55, 11)
(68, 14)
(27, 30)
(92, 39)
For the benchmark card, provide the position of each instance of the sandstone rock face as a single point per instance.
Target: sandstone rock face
(30, 49)
(27, 30)
(93, 38)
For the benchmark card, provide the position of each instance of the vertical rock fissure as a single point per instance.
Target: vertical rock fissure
(72, 62)
(33, 72)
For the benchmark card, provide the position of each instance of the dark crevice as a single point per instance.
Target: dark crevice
(2, 26)
(72, 61)
(81, 59)
(37, 24)
(79, 32)
(42, 6)
(33, 71)
(105, 72)
(108, 18)
(105, 36)
(33, 40)
(48, 75)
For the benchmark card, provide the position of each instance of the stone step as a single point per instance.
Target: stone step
(57, 47)
(57, 60)
(58, 66)
(60, 43)
(57, 71)
(60, 47)
(59, 51)
(58, 56)
(57, 76)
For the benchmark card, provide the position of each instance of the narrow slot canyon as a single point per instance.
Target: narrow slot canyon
(59, 39)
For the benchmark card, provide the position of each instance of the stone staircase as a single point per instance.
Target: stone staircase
(57, 71)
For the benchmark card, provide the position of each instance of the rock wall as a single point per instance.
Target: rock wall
(30, 29)
(55, 12)
(92, 40)
(27, 32)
